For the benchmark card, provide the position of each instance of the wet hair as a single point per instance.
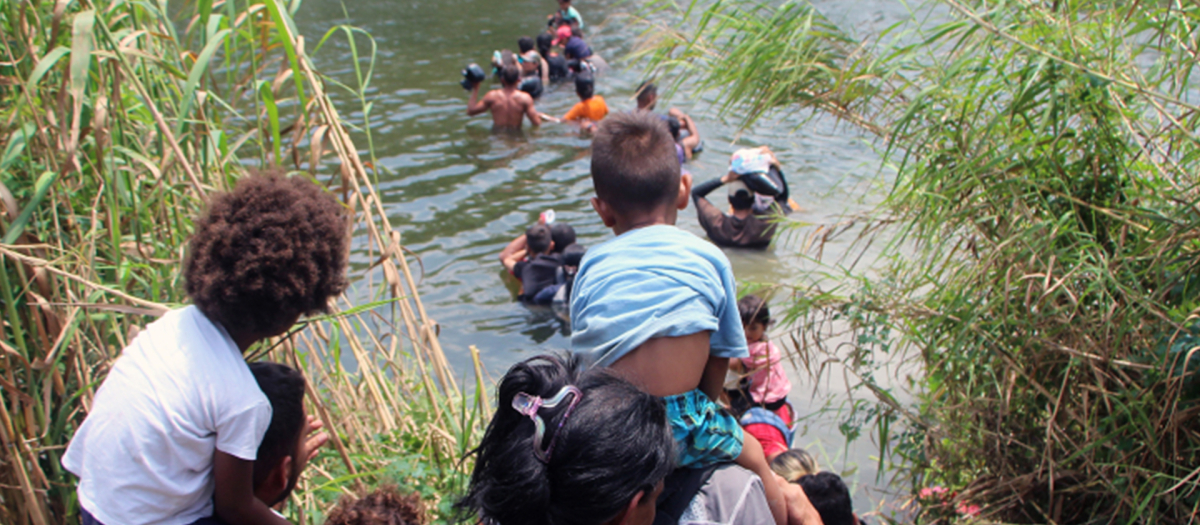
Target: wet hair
(284, 387)
(634, 165)
(674, 125)
(573, 255)
(794, 463)
(753, 309)
(646, 93)
(537, 239)
(544, 42)
(273, 249)
(384, 506)
(615, 444)
(510, 74)
(585, 85)
(525, 44)
(563, 235)
(829, 495)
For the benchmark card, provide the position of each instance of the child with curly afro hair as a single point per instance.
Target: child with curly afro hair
(385, 506)
(174, 430)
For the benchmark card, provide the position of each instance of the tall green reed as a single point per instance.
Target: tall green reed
(1038, 244)
(117, 119)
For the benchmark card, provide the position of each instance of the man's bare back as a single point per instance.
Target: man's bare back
(508, 105)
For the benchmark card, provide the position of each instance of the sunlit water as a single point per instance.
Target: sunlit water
(458, 193)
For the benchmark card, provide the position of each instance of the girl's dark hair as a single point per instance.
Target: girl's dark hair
(615, 444)
(273, 249)
(753, 309)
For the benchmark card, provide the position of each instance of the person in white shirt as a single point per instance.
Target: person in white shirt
(174, 430)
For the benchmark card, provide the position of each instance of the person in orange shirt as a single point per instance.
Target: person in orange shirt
(591, 107)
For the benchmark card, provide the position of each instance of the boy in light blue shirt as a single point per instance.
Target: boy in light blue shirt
(658, 304)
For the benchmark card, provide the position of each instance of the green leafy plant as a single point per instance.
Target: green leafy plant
(1038, 243)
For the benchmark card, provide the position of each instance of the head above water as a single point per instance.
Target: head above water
(740, 196)
(573, 255)
(610, 450)
(647, 95)
(753, 310)
(830, 496)
(544, 42)
(674, 125)
(585, 86)
(525, 44)
(538, 239)
(635, 170)
(509, 75)
(277, 466)
(563, 235)
(270, 251)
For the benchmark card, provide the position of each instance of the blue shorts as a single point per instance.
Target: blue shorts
(705, 434)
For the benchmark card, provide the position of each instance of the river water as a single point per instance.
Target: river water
(458, 193)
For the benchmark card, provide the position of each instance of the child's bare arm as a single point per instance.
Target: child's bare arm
(233, 497)
(712, 383)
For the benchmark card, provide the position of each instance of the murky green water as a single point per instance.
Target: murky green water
(459, 193)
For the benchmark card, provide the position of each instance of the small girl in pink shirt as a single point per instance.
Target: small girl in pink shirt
(769, 385)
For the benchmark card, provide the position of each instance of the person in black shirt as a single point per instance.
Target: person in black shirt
(531, 260)
(556, 62)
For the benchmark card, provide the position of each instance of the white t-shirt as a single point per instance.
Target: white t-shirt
(178, 393)
(732, 496)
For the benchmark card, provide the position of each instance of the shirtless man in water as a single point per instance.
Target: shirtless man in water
(508, 105)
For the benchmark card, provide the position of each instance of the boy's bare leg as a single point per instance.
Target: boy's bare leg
(753, 458)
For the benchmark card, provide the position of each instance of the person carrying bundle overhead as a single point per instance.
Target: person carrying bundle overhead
(758, 195)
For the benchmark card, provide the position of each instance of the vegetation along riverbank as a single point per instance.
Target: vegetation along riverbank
(117, 118)
(1038, 245)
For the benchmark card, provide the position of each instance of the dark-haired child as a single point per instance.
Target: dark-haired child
(531, 259)
(769, 385)
(289, 442)
(569, 444)
(659, 304)
(175, 428)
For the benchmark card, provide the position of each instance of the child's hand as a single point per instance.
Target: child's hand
(312, 443)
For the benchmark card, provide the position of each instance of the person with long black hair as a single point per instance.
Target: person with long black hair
(569, 446)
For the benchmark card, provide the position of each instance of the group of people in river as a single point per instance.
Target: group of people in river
(634, 425)
(657, 306)
(556, 55)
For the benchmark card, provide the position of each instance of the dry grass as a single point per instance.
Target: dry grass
(115, 123)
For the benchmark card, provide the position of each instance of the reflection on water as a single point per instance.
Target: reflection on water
(459, 192)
